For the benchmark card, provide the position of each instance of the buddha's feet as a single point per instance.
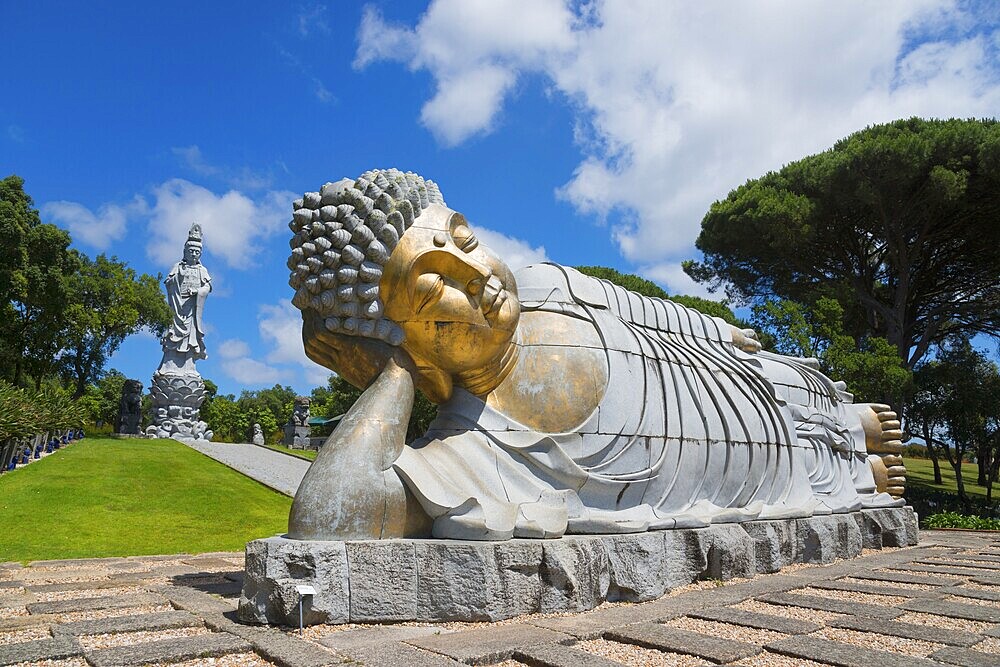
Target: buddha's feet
(885, 447)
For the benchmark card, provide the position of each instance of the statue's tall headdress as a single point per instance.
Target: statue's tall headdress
(194, 236)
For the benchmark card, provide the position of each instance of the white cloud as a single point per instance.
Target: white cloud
(678, 103)
(252, 373)
(232, 348)
(671, 275)
(242, 178)
(97, 230)
(280, 325)
(232, 223)
(475, 52)
(515, 253)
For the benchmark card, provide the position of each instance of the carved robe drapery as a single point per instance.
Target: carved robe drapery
(187, 287)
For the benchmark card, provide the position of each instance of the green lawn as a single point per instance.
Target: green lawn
(107, 497)
(301, 453)
(920, 472)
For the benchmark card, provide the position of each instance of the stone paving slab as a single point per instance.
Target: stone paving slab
(558, 655)
(977, 557)
(969, 612)
(842, 655)
(976, 593)
(380, 634)
(169, 650)
(16, 600)
(485, 645)
(271, 643)
(57, 648)
(25, 622)
(662, 638)
(164, 620)
(11, 584)
(750, 619)
(95, 604)
(10, 565)
(829, 604)
(192, 600)
(965, 657)
(395, 654)
(986, 580)
(908, 630)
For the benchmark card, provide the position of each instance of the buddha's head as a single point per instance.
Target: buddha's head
(381, 265)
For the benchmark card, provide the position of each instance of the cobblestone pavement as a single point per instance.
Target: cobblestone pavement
(279, 471)
(933, 604)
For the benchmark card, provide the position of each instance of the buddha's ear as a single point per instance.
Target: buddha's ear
(436, 384)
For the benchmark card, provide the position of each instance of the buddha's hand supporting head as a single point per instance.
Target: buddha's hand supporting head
(383, 269)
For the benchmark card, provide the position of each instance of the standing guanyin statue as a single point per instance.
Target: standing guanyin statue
(566, 403)
(178, 390)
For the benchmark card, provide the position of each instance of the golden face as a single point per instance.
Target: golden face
(455, 300)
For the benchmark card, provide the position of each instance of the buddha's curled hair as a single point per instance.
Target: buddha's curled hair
(343, 236)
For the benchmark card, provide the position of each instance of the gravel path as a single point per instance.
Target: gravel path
(279, 471)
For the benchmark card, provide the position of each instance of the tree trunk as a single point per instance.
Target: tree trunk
(983, 460)
(959, 482)
(937, 467)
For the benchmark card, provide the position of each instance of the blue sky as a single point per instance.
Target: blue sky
(581, 133)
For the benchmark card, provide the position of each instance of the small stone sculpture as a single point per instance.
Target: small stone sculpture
(130, 408)
(566, 403)
(297, 429)
(177, 390)
(258, 435)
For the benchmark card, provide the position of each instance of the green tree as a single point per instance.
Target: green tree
(35, 266)
(640, 285)
(108, 302)
(101, 399)
(897, 222)
(870, 367)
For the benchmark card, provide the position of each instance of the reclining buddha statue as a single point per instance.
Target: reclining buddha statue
(567, 404)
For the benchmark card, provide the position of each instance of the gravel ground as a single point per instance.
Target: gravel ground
(29, 635)
(944, 622)
(903, 587)
(269, 467)
(13, 612)
(914, 647)
(636, 656)
(982, 603)
(232, 660)
(113, 613)
(981, 587)
(814, 615)
(57, 596)
(69, 662)
(768, 659)
(849, 596)
(509, 663)
(91, 642)
(726, 630)
(991, 645)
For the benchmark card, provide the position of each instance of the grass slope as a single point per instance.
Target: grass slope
(920, 472)
(106, 497)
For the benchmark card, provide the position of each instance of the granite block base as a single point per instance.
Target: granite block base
(378, 581)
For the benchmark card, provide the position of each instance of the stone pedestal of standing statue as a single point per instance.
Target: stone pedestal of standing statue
(297, 428)
(177, 390)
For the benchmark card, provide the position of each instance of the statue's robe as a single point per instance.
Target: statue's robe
(690, 431)
(187, 333)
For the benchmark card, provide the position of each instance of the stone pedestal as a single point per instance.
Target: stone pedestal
(379, 581)
(177, 400)
(296, 437)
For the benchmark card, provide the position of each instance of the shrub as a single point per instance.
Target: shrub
(956, 520)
